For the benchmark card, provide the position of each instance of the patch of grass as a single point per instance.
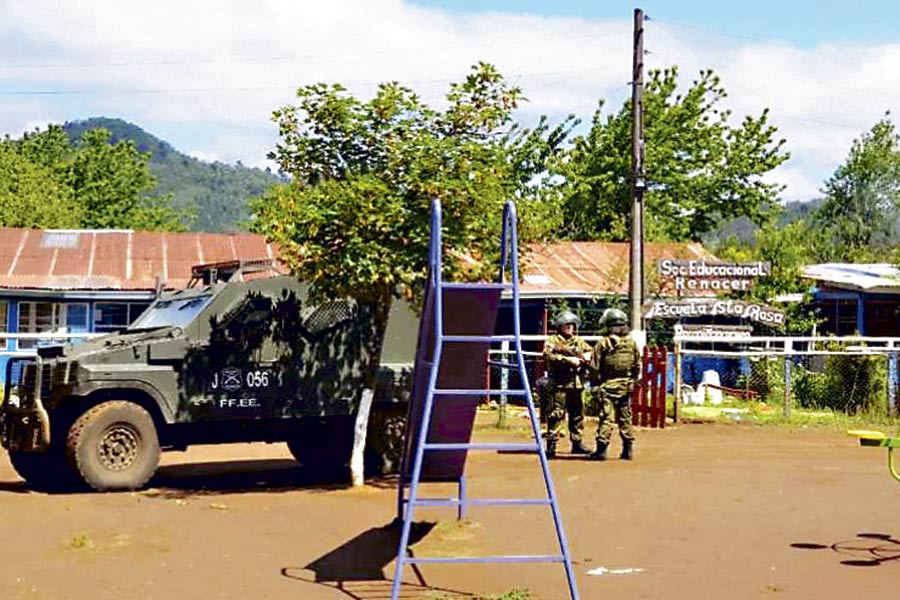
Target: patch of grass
(81, 541)
(488, 420)
(513, 594)
(762, 413)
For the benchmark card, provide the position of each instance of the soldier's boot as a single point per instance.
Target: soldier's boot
(600, 452)
(627, 450)
(551, 448)
(578, 448)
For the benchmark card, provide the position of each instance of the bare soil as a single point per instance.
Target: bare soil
(706, 511)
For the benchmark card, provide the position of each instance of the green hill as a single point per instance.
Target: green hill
(216, 192)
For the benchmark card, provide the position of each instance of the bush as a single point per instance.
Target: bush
(809, 388)
(855, 384)
(767, 378)
(849, 383)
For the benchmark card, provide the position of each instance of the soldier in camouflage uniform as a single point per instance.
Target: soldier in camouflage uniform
(566, 356)
(615, 368)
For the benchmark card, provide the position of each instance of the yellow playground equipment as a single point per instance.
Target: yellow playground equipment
(879, 439)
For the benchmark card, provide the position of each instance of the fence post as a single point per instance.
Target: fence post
(892, 380)
(504, 385)
(676, 403)
(788, 351)
(659, 386)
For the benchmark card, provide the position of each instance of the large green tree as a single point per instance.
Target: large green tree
(354, 220)
(49, 182)
(33, 195)
(787, 248)
(858, 218)
(700, 168)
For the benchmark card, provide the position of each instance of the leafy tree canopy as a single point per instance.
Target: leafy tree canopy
(354, 220)
(32, 195)
(787, 248)
(859, 215)
(699, 168)
(49, 182)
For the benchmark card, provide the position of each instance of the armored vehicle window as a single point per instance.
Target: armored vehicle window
(176, 312)
(116, 316)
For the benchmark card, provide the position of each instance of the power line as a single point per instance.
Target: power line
(557, 73)
(363, 53)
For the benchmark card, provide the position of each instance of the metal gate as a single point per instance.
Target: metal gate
(648, 401)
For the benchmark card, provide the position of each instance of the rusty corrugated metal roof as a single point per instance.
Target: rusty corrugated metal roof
(132, 260)
(593, 268)
(115, 259)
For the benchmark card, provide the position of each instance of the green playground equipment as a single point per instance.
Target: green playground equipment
(881, 440)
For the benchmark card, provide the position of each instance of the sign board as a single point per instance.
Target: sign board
(703, 276)
(707, 331)
(678, 309)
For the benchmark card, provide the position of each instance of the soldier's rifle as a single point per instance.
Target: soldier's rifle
(566, 351)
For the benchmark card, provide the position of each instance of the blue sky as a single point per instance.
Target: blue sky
(803, 22)
(206, 75)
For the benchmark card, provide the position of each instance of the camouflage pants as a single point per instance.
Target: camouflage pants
(614, 406)
(562, 401)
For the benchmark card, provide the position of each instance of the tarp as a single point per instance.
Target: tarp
(463, 366)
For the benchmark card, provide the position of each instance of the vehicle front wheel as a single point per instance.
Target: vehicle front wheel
(114, 446)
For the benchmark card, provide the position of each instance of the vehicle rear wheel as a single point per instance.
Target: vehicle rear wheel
(114, 446)
(44, 471)
(323, 447)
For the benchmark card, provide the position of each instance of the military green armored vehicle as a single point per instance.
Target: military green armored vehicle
(238, 356)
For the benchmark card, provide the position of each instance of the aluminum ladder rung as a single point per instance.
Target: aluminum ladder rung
(456, 285)
(502, 365)
(474, 392)
(504, 558)
(484, 502)
(508, 447)
(479, 338)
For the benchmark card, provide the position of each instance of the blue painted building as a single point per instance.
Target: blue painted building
(861, 299)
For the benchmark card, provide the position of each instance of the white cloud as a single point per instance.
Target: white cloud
(222, 67)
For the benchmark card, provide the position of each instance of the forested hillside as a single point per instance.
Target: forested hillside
(216, 192)
(742, 230)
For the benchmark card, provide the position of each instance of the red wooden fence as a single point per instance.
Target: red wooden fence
(648, 401)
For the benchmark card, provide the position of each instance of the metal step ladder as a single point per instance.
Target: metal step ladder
(434, 394)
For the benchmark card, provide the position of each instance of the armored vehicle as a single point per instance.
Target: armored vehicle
(239, 355)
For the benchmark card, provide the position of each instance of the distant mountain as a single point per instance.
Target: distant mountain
(743, 230)
(216, 192)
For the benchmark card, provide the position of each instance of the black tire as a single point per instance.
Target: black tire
(114, 446)
(43, 471)
(324, 447)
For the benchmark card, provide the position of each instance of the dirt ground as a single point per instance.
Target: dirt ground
(706, 511)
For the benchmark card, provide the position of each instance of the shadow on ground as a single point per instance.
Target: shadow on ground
(230, 477)
(356, 567)
(865, 550)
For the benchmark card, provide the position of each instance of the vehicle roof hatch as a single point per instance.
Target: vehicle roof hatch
(236, 270)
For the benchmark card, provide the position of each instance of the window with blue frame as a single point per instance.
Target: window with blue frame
(77, 319)
(40, 317)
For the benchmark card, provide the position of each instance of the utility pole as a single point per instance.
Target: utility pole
(638, 183)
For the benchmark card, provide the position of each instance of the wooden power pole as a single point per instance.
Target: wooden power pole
(638, 183)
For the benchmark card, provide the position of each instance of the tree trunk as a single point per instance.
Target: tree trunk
(380, 312)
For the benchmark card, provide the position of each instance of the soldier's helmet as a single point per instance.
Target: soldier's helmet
(565, 317)
(612, 317)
